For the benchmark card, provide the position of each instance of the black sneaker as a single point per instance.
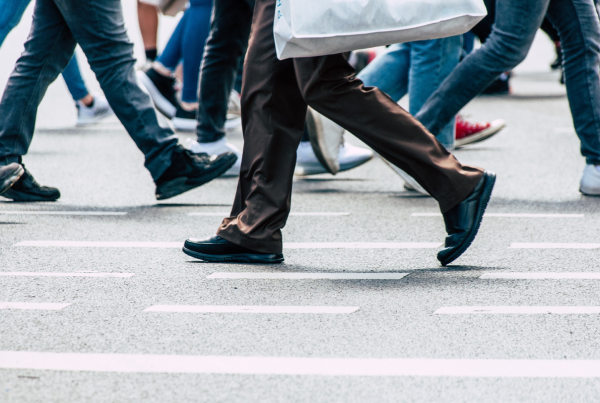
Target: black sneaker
(188, 171)
(27, 189)
(185, 120)
(499, 87)
(162, 91)
(9, 175)
(217, 249)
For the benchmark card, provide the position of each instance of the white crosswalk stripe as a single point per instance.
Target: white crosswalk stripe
(39, 212)
(525, 310)
(555, 245)
(74, 274)
(244, 365)
(541, 276)
(509, 215)
(310, 276)
(33, 305)
(286, 245)
(295, 214)
(251, 309)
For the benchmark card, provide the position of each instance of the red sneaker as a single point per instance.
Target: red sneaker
(469, 133)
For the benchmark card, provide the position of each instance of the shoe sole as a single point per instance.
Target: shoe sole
(483, 135)
(594, 192)
(241, 258)
(95, 119)
(184, 125)
(17, 196)
(12, 179)
(317, 168)
(488, 187)
(162, 104)
(182, 185)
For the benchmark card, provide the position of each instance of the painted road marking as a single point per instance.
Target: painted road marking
(32, 305)
(251, 309)
(509, 215)
(288, 245)
(423, 367)
(311, 276)
(524, 310)
(17, 212)
(541, 276)
(316, 214)
(76, 274)
(555, 245)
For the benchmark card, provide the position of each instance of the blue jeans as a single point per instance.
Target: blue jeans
(416, 68)
(99, 28)
(187, 44)
(517, 22)
(11, 12)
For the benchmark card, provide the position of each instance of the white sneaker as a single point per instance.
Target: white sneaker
(326, 138)
(409, 182)
(349, 157)
(215, 148)
(234, 112)
(92, 114)
(590, 181)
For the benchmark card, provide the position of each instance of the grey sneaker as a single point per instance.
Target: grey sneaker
(590, 181)
(9, 175)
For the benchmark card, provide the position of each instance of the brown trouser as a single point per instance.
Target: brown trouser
(275, 95)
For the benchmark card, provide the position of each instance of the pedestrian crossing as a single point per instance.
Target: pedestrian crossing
(313, 366)
(293, 214)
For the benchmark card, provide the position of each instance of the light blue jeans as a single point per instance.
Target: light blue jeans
(516, 24)
(416, 68)
(11, 12)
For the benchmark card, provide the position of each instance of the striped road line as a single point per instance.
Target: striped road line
(32, 305)
(310, 276)
(309, 214)
(244, 365)
(75, 274)
(555, 245)
(251, 309)
(523, 310)
(540, 276)
(288, 245)
(99, 213)
(508, 215)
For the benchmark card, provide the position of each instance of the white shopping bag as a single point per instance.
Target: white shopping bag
(305, 28)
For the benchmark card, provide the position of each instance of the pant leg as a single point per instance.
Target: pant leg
(579, 30)
(431, 62)
(99, 28)
(517, 22)
(73, 79)
(194, 39)
(172, 54)
(273, 114)
(48, 49)
(389, 71)
(227, 41)
(11, 12)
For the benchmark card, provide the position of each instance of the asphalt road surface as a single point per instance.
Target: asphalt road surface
(99, 304)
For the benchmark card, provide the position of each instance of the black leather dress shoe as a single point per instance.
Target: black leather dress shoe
(462, 221)
(217, 249)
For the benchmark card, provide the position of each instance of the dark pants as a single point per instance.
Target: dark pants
(98, 27)
(225, 48)
(275, 94)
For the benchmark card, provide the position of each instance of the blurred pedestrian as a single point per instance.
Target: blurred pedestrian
(186, 45)
(90, 108)
(512, 35)
(275, 94)
(99, 28)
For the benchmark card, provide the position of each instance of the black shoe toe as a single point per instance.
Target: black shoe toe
(463, 221)
(217, 249)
